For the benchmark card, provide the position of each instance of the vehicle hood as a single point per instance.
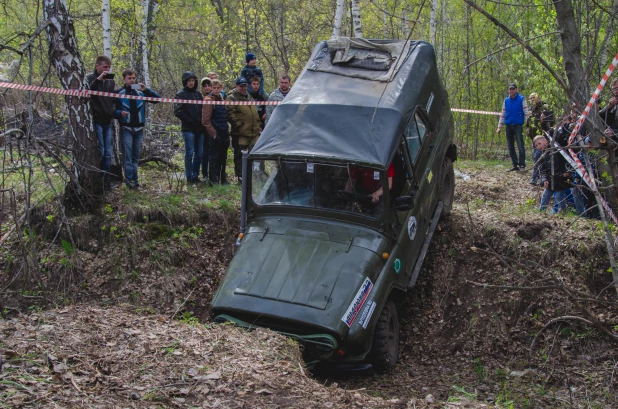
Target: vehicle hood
(301, 272)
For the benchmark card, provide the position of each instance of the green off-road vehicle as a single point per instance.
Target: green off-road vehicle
(323, 255)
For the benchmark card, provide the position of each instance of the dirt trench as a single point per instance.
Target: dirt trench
(461, 342)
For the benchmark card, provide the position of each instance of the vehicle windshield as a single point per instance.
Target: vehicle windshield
(334, 187)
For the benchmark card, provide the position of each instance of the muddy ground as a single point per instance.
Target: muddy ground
(509, 312)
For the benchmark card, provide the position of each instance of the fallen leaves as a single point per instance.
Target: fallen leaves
(132, 359)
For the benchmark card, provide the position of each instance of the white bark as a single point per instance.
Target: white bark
(64, 55)
(144, 41)
(356, 19)
(107, 30)
(385, 19)
(338, 16)
(432, 22)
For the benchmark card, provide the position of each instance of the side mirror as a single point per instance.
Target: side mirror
(403, 203)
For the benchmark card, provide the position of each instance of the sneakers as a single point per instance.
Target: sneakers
(534, 182)
(513, 169)
(522, 168)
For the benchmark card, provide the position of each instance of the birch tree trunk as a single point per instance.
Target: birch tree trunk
(338, 16)
(150, 11)
(356, 19)
(86, 178)
(432, 22)
(107, 30)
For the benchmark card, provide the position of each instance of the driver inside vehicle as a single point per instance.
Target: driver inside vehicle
(368, 181)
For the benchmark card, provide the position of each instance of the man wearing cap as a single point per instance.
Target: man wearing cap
(514, 114)
(245, 122)
(252, 70)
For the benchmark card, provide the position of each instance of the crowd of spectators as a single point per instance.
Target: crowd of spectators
(553, 167)
(206, 129)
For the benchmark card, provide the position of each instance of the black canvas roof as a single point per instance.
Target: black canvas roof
(333, 114)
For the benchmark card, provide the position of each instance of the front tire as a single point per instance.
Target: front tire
(385, 347)
(447, 186)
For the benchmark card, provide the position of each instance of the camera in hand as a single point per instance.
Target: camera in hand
(109, 76)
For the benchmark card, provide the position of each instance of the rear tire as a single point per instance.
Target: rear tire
(447, 186)
(385, 347)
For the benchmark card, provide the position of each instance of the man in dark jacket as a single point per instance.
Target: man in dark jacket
(255, 94)
(190, 116)
(540, 121)
(553, 168)
(245, 122)
(103, 111)
(131, 114)
(514, 115)
(214, 119)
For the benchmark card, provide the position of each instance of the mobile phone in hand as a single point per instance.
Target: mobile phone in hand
(109, 76)
(136, 86)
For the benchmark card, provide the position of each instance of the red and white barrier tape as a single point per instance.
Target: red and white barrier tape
(579, 166)
(595, 95)
(85, 93)
(474, 111)
(574, 161)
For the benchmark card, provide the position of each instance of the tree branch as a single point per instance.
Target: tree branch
(524, 44)
(27, 44)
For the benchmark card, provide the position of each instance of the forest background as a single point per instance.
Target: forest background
(477, 59)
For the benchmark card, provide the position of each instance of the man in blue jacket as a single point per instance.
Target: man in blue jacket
(131, 115)
(514, 114)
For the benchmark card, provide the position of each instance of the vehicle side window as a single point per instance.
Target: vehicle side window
(421, 127)
(413, 140)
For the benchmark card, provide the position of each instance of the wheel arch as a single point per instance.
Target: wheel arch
(451, 152)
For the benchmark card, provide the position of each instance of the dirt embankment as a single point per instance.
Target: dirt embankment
(490, 323)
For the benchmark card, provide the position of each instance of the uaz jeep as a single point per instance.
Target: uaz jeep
(341, 195)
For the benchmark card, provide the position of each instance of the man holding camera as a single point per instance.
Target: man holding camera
(131, 114)
(102, 112)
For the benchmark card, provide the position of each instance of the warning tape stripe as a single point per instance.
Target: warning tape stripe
(85, 93)
(574, 161)
(579, 166)
(595, 95)
(475, 111)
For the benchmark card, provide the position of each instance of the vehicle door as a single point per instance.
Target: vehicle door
(420, 148)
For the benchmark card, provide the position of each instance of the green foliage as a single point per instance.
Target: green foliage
(188, 318)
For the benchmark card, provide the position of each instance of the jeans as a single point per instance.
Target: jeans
(104, 138)
(559, 199)
(206, 155)
(536, 173)
(131, 148)
(514, 133)
(218, 156)
(578, 196)
(194, 149)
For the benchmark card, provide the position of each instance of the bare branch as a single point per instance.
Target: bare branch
(524, 44)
